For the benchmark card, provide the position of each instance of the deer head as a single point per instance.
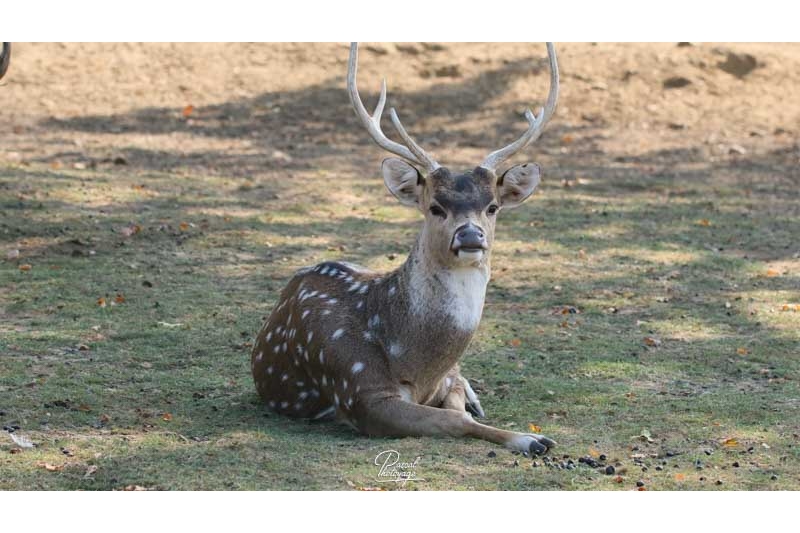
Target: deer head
(460, 210)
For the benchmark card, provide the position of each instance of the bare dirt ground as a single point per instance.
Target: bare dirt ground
(668, 218)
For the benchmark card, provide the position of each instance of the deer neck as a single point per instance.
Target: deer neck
(439, 295)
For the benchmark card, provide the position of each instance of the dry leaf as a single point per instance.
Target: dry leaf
(582, 254)
(771, 273)
(50, 467)
(730, 442)
(90, 471)
(594, 453)
(132, 229)
(567, 139)
(104, 418)
(119, 298)
(704, 222)
(184, 226)
(101, 302)
(652, 341)
(166, 417)
(618, 479)
(742, 351)
(187, 111)
(680, 477)
(534, 428)
(85, 408)
(24, 268)
(515, 342)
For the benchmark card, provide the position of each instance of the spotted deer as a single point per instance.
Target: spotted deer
(381, 351)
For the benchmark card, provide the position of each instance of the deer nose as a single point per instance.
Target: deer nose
(469, 237)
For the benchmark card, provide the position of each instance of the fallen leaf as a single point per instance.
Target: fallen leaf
(680, 477)
(184, 226)
(582, 254)
(24, 268)
(644, 436)
(515, 342)
(133, 488)
(146, 365)
(652, 341)
(618, 479)
(101, 302)
(534, 428)
(104, 418)
(742, 351)
(50, 467)
(594, 453)
(704, 222)
(166, 417)
(771, 273)
(85, 408)
(90, 471)
(130, 230)
(187, 111)
(119, 298)
(640, 489)
(567, 139)
(730, 442)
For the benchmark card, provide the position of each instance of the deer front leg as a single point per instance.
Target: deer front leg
(396, 417)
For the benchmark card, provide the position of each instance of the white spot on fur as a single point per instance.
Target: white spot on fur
(277, 348)
(326, 312)
(360, 304)
(357, 367)
(309, 337)
(284, 405)
(355, 286)
(332, 301)
(367, 336)
(284, 347)
(395, 350)
(305, 314)
(271, 404)
(344, 384)
(302, 395)
(324, 270)
(324, 380)
(269, 336)
(270, 370)
(300, 384)
(364, 288)
(259, 357)
(336, 334)
(315, 393)
(325, 412)
(321, 358)
(392, 290)
(336, 399)
(298, 406)
(284, 377)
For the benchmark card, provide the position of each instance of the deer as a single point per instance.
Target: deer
(5, 58)
(381, 351)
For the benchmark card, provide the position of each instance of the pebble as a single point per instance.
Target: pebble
(774, 477)
(610, 470)
(491, 454)
(736, 464)
(640, 483)
(659, 468)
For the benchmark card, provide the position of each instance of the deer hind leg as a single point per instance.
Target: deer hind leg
(397, 417)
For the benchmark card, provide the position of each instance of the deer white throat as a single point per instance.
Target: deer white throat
(457, 293)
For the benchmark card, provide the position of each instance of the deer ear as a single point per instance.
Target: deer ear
(402, 180)
(517, 183)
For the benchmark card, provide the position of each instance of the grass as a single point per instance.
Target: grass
(681, 287)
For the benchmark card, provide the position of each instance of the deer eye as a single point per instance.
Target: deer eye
(438, 211)
(492, 210)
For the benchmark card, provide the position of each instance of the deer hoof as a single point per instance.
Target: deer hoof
(531, 444)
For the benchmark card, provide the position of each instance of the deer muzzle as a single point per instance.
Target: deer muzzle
(469, 242)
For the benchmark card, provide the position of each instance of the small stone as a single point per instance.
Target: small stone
(739, 65)
(735, 464)
(491, 454)
(676, 82)
(718, 482)
(602, 457)
(610, 470)
(774, 477)
(640, 483)
(659, 468)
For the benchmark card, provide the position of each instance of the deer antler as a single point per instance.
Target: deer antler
(536, 124)
(5, 57)
(412, 152)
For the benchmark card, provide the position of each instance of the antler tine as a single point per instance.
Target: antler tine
(536, 124)
(412, 145)
(412, 153)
